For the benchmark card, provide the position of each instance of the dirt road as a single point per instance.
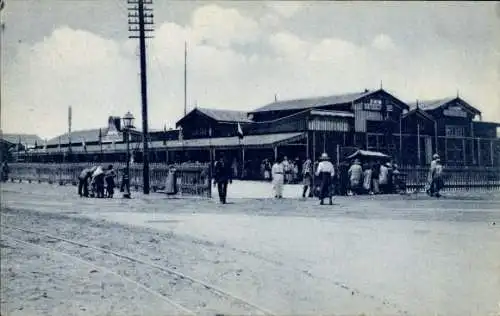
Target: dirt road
(156, 256)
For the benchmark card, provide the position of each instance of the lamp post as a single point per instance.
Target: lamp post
(128, 124)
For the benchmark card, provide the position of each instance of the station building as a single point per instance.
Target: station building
(300, 128)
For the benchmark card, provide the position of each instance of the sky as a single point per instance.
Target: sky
(61, 53)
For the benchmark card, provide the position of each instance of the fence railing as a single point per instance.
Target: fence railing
(192, 179)
(455, 178)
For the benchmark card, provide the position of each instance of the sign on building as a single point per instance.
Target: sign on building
(373, 105)
(455, 111)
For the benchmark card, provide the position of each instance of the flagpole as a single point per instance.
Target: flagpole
(240, 137)
(185, 78)
(100, 143)
(69, 128)
(210, 170)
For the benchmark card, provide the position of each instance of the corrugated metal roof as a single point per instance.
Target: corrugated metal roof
(28, 139)
(226, 115)
(299, 104)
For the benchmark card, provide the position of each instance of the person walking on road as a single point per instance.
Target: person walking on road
(222, 175)
(278, 174)
(307, 173)
(325, 172)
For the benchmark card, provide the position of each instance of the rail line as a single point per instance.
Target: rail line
(75, 258)
(207, 286)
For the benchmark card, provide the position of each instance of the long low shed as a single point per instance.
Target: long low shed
(250, 141)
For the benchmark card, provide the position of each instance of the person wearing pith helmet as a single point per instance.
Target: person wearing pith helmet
(430, 182)
(325, 172)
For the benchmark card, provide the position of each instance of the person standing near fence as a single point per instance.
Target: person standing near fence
(222, 175)
(98, 179)
(343, 178)
(325, 172)
(110, 181)
(429, 190)
(367, 179)
(436, 176)
(383, 178)
(83, 181)
(375, 177)
(5, 171)
(355, 176)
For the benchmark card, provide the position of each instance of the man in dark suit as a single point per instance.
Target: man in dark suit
(222, 175)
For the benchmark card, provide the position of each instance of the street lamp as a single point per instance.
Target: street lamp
(128, 124)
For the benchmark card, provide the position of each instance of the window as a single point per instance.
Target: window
(455, 131)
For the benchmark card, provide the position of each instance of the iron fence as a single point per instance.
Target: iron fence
(455, 178)
(192, 178)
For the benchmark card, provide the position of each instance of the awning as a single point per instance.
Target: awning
(368, 153)
(249, 141)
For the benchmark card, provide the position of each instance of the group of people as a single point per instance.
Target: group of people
(370, 178)
(324, 171)
(100, 179)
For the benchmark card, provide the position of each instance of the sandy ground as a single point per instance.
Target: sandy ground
(373, 255)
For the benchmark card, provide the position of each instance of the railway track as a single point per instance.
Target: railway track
(73, 249)
(106, 270)
(348, 288)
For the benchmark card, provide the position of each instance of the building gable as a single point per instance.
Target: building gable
(451, 107)
(377, 109)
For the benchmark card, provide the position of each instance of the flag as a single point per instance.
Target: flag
(240, 132)
(84, 144)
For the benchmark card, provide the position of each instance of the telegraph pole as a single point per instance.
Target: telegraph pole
(185, 78)
(139, 17)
